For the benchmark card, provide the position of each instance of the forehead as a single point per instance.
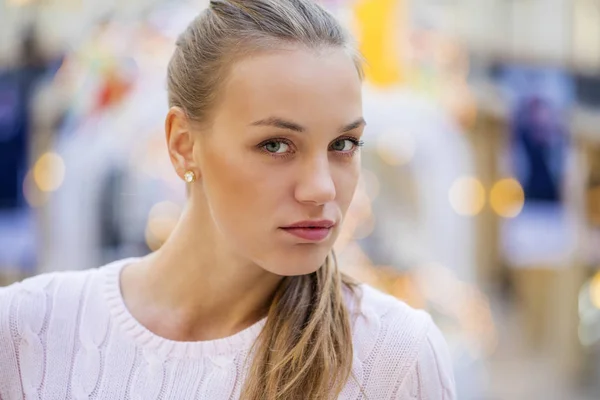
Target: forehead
(296, 83)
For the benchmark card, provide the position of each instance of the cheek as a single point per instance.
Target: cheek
(346, 182)
(240, 191)
(225, 181)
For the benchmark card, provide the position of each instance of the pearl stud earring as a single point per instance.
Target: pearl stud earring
(189, 176)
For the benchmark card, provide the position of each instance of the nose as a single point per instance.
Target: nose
(315, 185)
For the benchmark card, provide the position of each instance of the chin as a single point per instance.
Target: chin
(298, 264)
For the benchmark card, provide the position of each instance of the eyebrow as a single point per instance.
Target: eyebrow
(292, 126)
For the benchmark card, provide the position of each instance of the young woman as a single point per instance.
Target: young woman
(245, 299)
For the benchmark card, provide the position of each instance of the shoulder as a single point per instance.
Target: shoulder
(388, 321)
(53, 299)
(33, 303)
(31, 299)
(59, 289)
(398, 343)
(47, 284)
(432, 375)
(38, 318)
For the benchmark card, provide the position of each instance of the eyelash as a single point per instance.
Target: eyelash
(357, 145)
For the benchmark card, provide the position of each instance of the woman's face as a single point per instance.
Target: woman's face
(280, 163)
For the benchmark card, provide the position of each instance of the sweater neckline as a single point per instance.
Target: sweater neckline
(150, 341)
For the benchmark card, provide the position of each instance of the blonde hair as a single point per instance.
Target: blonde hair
(305, 348)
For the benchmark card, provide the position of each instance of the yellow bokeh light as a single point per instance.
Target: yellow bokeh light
(365, 228)
(162, 220)
(49, 172)
(388, 156)
(396, 148)
(595, 290)
(467, 196)
(507, 198)
(161, 228)
(152, 242)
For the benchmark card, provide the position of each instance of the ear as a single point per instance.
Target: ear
(180, 142)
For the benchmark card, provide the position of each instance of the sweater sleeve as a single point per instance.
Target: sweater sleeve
(10, 380)
(431, 377)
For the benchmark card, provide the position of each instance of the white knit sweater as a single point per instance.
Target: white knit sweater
(68, 335)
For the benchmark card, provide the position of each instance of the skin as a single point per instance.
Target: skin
(218, 271)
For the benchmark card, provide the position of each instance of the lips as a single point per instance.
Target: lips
(313, 231)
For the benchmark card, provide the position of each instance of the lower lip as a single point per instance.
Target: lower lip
(312, 234)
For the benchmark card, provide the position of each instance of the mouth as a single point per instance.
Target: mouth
(312, 231)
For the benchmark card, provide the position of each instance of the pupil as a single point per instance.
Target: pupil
(273, 146)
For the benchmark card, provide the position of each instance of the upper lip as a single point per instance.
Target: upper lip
(323, 223)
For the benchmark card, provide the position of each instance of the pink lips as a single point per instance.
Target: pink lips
(314, 231)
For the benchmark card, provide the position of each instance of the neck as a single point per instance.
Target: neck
(195, 287)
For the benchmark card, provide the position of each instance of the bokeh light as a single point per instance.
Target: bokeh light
(595, 290)
(49, 172)
(397, 148)
(162, 220)
(365, 227)
(467, 196)
(507, 198)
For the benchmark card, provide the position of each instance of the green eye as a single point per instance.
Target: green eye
(342, 145)
(276, 147)
(272, 147)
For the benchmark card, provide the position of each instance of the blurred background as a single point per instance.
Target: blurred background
(480, 195)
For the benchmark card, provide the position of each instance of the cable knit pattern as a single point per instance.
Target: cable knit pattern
(69, 335)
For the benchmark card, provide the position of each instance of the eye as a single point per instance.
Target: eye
(276, 147)
(345, 145)
(342, 145)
